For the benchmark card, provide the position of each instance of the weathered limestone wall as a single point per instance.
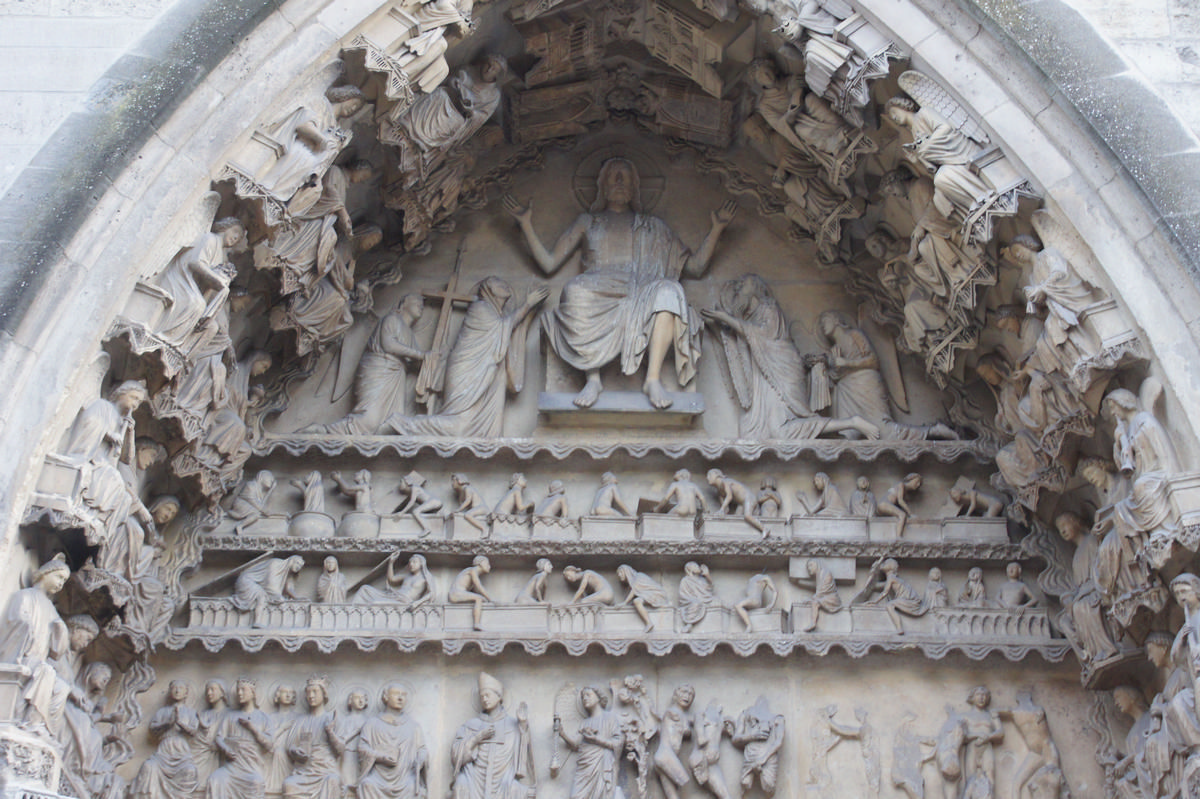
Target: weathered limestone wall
(52, 52)
(1162, 40)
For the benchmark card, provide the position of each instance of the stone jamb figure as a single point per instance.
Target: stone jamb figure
(513, 503)
(594, 588)
(470, 505)
(419, 502)
(644, 591)
(608, 500)
(554, 506)
(674, 725)
(755, 597)
(492, 755)
(687, 496)
(534, 592)
(467, 589)
(759, 734)
(734, 496)
(895, 502)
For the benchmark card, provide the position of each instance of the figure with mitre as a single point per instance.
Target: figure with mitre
(492, 754)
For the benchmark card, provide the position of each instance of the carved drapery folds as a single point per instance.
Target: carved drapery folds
(888, 310)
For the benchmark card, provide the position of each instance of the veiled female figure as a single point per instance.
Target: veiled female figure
(171, 770)
(766, 371)
(391, 751)
(314, 747)
(597, 746)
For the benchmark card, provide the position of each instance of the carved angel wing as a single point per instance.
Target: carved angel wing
(885, 353)
(568, 715)
(196, 220)
(1150, 393)
(928, 92)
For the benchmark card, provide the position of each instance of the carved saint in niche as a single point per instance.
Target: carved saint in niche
(628, 303)
(492, 754)
(488, 359)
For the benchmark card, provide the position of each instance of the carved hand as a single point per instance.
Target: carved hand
(523, 715)
(724, 215)
(522, 213)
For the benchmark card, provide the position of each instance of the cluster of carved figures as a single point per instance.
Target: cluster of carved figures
(261, 290)
(269, 581)
(684, 498)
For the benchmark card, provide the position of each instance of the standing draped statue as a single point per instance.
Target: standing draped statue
(244, 738)
(32, 636)
(492, 754)
(628, 302)
(488, 359)
(391, 751)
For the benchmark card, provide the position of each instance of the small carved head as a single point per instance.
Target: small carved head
(1021, 249)
(1070, 526)
(895, 183)
(265, 479)
(148, 452)
(618, 184)
(900, 111)
(625, 573)
(975, 575)
(178, 690)
(128, 396)
(912, 481)
(357, 700)
(416, 564)
(394, 696)
(890, 566)
(1129, 700)
(863, 483)
(715, 477)
(1120, 403)
(285, 696)
(682, 476)
(762, 72)
(517, 480)
(556, 487)
(81, 631)
(316, 691)
(979, 697)
(608, 479)
(820, 481)
(684, 695)
(1013, 570)
(412, 305)
(331, 564)
(1158, 648)
(214, 692)
(349, 100)
(164, 510)
(1186, 590)
(935, 575)
(482, 563)
(246, 691)
(572, 574)
(53, 574)
(97, 676)
(544, 565)
(591, 696)
(493, 68)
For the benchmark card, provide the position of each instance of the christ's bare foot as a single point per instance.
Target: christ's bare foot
(657, 394)
(591, 392)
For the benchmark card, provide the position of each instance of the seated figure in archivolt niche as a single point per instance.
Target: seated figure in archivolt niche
(628, 302)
